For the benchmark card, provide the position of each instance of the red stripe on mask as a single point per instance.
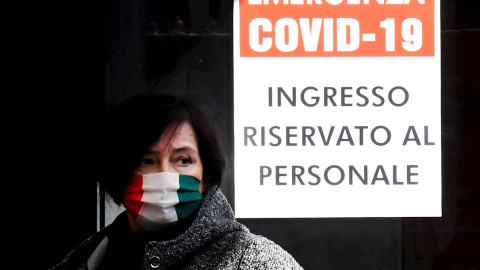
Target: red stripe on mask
(133, 195)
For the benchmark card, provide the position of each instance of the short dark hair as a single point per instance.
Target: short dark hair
(130, 128)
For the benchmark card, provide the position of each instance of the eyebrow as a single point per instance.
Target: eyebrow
(183, 149)
(175, 150)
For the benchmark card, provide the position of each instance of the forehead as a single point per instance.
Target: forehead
(177, 137)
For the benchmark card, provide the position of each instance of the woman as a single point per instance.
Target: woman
(161, 159)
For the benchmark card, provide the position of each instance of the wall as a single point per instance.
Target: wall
(99, 57)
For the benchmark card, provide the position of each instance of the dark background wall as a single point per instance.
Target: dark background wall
(89, 56)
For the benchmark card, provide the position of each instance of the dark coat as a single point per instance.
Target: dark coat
(212, 240)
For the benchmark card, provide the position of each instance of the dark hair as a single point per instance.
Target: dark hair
(134, 125)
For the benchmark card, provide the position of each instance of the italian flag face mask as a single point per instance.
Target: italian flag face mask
(162, 198)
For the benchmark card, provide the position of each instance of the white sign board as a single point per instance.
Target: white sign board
(337, 108)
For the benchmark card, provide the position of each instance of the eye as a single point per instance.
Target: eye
(146, 165)
(184, 160)
(147, 162)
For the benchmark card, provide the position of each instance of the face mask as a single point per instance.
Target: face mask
(162, 198)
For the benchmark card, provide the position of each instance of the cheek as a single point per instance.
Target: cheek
(202, 186)
(199, 175)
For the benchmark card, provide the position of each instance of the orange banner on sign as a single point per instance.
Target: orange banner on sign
(336, 28)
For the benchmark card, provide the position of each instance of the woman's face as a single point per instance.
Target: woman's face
(176, 151)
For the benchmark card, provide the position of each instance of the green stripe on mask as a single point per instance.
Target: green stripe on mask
(188, 182)
(189, 196)
(185, 209)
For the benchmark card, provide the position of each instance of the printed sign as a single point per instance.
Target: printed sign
(337, 108)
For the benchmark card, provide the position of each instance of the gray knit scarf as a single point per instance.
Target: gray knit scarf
(214, 240)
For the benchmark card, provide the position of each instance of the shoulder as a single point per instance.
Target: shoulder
(263, 253)
(79, 255)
